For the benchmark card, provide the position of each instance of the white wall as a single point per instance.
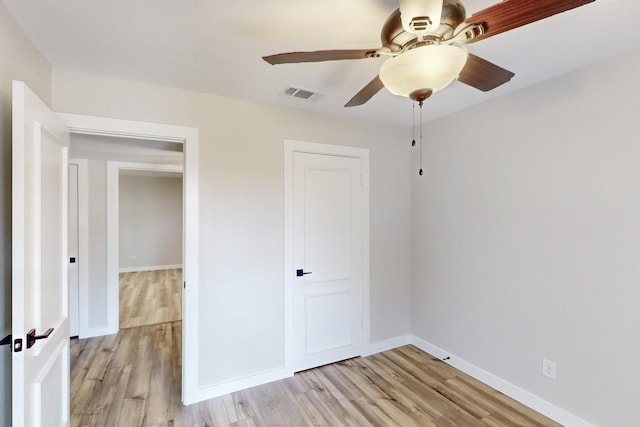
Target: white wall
(19, 60)
(96, 264)
(527, 236)
(241, 211)
(150, 221)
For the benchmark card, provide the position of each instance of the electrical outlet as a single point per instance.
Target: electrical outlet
(134, 257)
(549, 368)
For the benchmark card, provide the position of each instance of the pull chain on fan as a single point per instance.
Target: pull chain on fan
(413, 131)
(420, 172)
(413, 124)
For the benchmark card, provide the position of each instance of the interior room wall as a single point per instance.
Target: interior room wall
(241, 211)
(526, 239)
(97, 291)
(19, 60)
(150, 222)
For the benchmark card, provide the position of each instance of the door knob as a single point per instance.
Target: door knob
(32, 337)
(301, 272)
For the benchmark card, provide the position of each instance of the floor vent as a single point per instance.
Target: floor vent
(296, 92)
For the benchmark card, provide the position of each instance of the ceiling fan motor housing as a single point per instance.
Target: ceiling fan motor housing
(394, 36)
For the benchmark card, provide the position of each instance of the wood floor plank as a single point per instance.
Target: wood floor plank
(313, 416)
(109, 409)
(403, 396)
(340, 404)
(217, 412)
(265, 412)
(493, 407)
(370, 410)
(161, 391)
(345, 386)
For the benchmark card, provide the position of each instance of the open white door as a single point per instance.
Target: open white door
(40, 328)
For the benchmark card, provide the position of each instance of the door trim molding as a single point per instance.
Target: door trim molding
(291, 147)
(83, 250)
(188, 136)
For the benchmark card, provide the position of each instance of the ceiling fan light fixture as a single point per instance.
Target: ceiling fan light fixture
(423, 70)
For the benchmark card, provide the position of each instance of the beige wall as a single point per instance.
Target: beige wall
(19, 60)
(150, 222)
(527, 239)
(241, 210)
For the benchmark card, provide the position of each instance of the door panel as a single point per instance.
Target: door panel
(327, 233)
(47, 383)
(327, 223)
(40, 372)
(326, 332)
(51, 290)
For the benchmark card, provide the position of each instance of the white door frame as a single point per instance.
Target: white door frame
(291, 147)
(91, 125)
(82, 311)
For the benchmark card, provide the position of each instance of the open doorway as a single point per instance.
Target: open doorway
(146, 167)
(134, 206)
(101, 319)
(150, 247)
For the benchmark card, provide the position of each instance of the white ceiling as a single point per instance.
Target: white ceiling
(216, 46)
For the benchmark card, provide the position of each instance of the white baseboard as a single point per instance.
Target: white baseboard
(150, 268)
(532, 401)
(220, 389)
(389, 344)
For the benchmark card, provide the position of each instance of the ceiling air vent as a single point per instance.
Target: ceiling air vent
(296, 92)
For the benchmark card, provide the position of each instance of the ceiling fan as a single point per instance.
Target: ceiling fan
(424, 39)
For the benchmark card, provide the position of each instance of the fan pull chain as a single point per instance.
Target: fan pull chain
(413, 125)
(420, 172)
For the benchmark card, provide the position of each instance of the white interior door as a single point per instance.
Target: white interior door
(327, 238)
(40, 368)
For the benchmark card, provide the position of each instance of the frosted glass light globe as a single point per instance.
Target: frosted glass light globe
(424, 68)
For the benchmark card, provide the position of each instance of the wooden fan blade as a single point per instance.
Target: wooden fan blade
(482, 74)
(318, 56)
(510, 14)
(366, 93)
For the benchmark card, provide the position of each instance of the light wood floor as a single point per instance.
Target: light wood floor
(133, 379)
(150, 297)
